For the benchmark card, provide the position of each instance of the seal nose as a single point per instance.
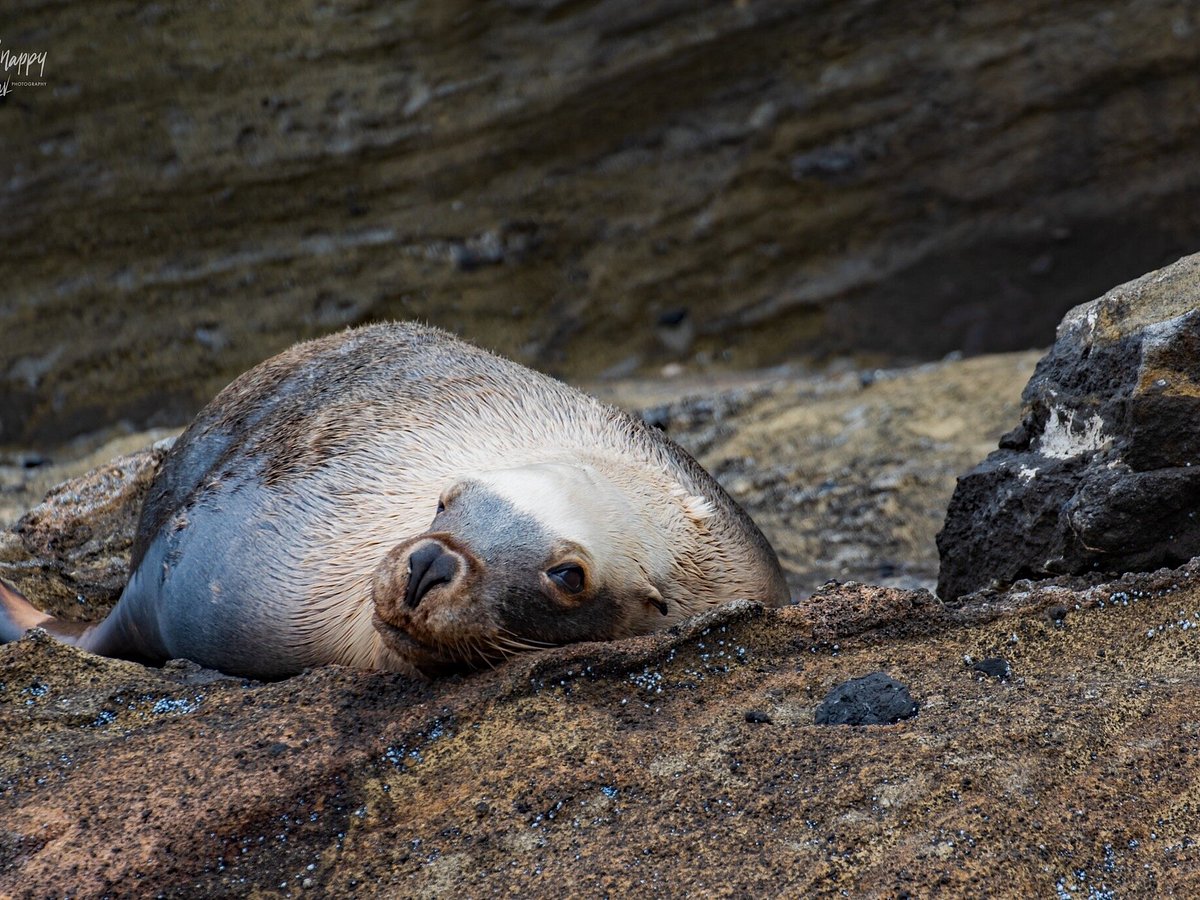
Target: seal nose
(428, 565)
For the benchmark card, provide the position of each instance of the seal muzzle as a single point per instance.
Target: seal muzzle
(428, 566)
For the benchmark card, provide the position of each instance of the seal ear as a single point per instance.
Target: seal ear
(654, 598)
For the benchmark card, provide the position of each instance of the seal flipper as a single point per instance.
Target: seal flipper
(18, 615)
(108, 638)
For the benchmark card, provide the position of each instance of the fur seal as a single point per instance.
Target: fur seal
(392, 497)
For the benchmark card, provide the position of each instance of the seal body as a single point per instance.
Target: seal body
(392, 497)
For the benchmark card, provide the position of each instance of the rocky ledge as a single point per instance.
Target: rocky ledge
(683, 764)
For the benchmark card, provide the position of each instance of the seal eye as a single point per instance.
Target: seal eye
(569, 577)
(441, 506)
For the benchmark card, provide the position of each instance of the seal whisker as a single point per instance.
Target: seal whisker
(511, 645)
(508, 647)
(462, 648)
(475, 647)
(528, 643)
(518, 647)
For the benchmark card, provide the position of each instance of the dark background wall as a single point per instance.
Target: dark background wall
(592, 187)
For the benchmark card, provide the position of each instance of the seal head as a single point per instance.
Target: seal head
(519, 559)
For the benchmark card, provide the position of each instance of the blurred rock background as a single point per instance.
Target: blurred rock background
(599, 189)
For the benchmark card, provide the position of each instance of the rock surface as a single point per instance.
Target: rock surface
(591, 187)
(629, 768)
(71, 551)
(1103, 471)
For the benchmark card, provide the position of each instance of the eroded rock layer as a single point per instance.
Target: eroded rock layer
(590, 187)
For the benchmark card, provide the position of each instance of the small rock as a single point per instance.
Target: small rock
(758, 717)
(1056, 615)
(185, 671)
(874, 699)
(657, 417)
(993, 667)
(485, 249)
(673, 317)
(671, 370)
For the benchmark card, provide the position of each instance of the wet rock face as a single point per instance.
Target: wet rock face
(1103, 471)
(584, 186)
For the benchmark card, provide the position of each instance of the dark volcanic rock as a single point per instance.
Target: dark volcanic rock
(875, 699)
(993, 667)
(1103, 472)
(559, 179)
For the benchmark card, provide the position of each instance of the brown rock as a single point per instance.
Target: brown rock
(70, 553)
(557, 180)
(630, 767)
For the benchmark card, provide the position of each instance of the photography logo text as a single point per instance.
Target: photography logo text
(16, 69)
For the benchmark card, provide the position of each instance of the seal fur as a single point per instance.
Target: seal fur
(282, 528)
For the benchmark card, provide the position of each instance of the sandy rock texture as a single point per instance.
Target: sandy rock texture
(1102, 473)
(71, 552)
(590, 187)
(632, 768)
